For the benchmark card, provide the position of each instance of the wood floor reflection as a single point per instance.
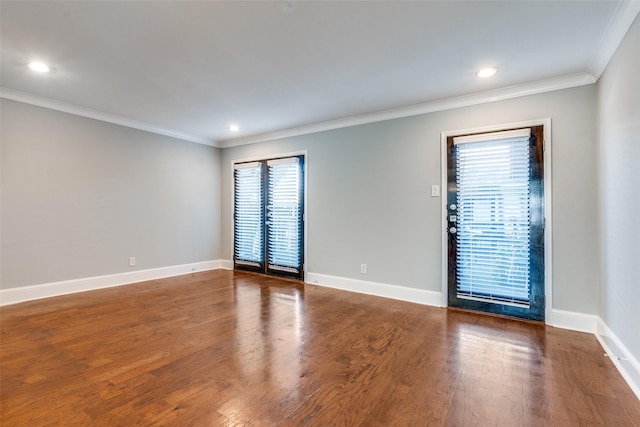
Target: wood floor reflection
(225, 348)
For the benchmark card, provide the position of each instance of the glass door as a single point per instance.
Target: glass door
(495, 220)
(268, 216)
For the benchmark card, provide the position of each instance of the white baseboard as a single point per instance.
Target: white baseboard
(402, 293)
(573, 321)
(626, 363)
(46, 290)
(226, 264)
(557, 318)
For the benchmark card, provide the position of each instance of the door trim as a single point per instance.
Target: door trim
(548, 278)
(305, 240)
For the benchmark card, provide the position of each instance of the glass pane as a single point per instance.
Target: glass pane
(493, 237)
(248, 214)
(284, 214)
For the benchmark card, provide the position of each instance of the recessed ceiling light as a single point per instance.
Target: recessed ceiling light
(233, 128)
(40, 67)
(487, 72)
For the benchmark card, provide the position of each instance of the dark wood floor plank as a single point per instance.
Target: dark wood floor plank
(224, 348)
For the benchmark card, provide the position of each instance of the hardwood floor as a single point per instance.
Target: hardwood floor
(223, 348)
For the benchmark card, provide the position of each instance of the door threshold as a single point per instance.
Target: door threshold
(500, 316)
(291, 280)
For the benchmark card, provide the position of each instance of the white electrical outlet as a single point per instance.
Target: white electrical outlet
(132, 261)
(435, 191)
(363, 268)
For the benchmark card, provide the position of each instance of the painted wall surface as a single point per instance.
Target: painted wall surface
(80, 196)
(619, 148)
(369, 194)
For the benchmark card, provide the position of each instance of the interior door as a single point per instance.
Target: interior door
(269, 216)
(495, 222)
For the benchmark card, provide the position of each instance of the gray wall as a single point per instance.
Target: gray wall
(619, 107)
(369, 194)
(80, 196)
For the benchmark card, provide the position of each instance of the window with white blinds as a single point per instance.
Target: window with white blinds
(493, 219)
(284, 214)
(248, 214)
(268, 216)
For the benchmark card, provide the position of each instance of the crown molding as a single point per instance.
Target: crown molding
(565, 82)
(621, 20)
(549, 85)
(52, 104)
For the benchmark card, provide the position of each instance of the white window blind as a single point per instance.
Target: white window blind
(248, 214)
(493, 221)
(284, 214)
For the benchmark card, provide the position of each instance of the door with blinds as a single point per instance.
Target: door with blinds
(495, 222)
(268, 213)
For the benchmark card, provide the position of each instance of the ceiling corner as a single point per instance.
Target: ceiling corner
(621, 20)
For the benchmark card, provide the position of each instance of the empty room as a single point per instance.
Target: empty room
(319, 213)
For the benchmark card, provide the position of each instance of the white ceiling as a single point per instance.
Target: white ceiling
(192, 68)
